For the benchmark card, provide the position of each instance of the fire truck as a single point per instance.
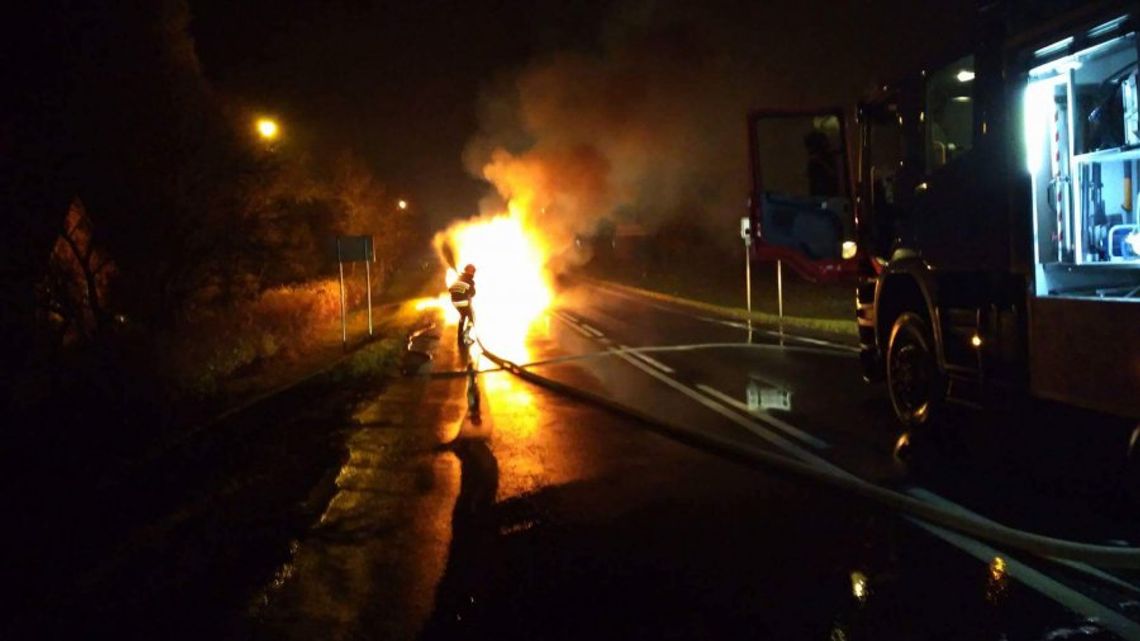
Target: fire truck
(986, 209)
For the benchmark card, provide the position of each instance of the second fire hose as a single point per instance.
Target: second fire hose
(750, 455)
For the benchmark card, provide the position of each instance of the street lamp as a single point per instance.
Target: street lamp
(267, 128)
(402, 204)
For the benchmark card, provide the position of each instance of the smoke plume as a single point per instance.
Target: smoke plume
(648, 125)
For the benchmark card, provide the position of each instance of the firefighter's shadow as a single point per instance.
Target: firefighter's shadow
(474, 524)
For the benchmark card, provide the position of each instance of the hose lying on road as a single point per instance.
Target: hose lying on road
(1002, 535)
(644, 350)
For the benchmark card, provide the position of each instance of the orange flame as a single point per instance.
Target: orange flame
(512, 284)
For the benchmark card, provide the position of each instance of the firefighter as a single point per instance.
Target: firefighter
(823, 178)
(462, 291)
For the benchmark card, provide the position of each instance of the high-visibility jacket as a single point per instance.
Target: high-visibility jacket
(462, 291)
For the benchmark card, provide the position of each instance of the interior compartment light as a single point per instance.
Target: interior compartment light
(976, 341)
(1057, 67)
(965, 75)
(1056, 47)
(1111, 25)
(961, 99)
(1038, 113)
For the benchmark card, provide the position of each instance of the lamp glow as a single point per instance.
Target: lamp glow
(267, 129)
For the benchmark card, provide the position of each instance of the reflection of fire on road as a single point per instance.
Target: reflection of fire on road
(512, 283)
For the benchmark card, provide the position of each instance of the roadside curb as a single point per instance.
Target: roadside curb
(827, 325)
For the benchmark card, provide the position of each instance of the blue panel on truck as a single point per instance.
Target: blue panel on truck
(1086, 352)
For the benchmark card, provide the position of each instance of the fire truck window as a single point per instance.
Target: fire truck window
(801, 172)
(801, 155)
(949, 113)
(884, 156)
(885, 153)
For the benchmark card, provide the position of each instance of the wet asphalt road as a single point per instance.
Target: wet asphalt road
(545, 518)
(394, 513)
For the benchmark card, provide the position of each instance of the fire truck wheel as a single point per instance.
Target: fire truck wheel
(916, 385)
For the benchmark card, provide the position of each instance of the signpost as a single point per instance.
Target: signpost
(780, 296)
(746, 234)
(353, 249)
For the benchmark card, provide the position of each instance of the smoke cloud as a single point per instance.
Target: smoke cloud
(648, 125)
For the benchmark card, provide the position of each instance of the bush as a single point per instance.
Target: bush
(281, 323)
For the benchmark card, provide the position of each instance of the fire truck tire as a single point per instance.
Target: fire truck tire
(916, 385)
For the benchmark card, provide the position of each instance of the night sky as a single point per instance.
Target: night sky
(399, 82)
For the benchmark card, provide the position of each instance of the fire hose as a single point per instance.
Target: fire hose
(753, 456)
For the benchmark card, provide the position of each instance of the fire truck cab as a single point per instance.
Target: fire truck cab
(995, 210)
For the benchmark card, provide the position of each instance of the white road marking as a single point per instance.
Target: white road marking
(754, 426)
(1034, 579)
(752, 346)
(813, 341)
(946, 504)
(720, 321)
(566, 316)
(648, 359)
(735, 324)
(575, 327)
(593, 331)
(1047, 586)
(787, 428)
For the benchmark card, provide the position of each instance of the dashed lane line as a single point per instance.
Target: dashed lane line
(721, 321)
(592, 330)
(756, 427)
(574, 326)
(648, 359)
(566, 316)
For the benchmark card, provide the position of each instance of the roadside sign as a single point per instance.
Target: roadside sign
(351, 249)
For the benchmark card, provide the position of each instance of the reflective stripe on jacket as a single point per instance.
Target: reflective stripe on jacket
(462, 292)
